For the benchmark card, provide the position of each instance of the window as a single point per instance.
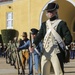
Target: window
(9, 19)
(5, 1)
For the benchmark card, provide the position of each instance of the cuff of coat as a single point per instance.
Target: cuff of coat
(66, 47)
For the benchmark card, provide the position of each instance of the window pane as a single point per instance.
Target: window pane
(9, 15)
(9, 24)
(9, 20)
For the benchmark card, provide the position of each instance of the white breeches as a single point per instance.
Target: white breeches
(46, 65)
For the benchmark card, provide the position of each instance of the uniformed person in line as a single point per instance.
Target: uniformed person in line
(4, 49)
(25, 52)
(53, 50)
(36, 59)
(0, 49)
(17, 56)
(10, 52)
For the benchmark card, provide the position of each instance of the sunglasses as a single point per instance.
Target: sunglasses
(24, 36)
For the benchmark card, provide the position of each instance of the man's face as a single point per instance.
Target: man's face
(50, 14)
(24, 37)
(33, 36)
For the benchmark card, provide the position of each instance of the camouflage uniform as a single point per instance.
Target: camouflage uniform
(9, 52)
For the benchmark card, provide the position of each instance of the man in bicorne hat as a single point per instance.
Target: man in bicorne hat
(52, 32)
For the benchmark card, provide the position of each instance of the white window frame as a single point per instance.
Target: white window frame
(6, 2)
(9, 20)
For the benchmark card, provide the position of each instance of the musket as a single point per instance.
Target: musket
(17, 54)
(19, 62)
(33, 63)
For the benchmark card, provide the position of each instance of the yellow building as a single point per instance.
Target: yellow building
(26, 14)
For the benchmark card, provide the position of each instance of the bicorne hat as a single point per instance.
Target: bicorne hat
(52, 7)
(34, 31)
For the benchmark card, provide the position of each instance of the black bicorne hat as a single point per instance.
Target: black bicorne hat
(34, 31)
(52, 7)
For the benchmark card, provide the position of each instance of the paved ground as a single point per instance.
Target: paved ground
(6, 69)
(70, 67)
